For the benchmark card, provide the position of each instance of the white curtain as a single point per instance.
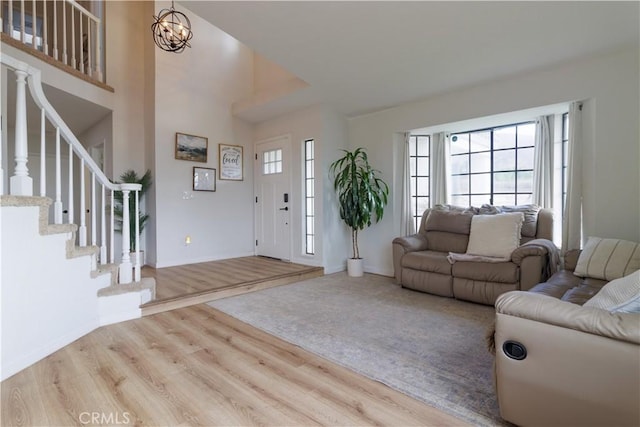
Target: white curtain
(407, 226)
(543, 164)
(439, 169)
(572, 218)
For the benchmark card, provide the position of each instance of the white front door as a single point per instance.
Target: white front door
(273, 197)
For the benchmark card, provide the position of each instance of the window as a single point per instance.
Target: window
(493, 165)
(16, 23)
(272, 162)
(419, 149)
(309, 208)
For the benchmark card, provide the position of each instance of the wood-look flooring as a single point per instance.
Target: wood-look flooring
(199, 366)
(191, 284)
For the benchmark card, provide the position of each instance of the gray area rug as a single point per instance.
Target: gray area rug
(428, 347)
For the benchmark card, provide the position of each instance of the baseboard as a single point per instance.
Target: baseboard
(335, 268)
(10, 368)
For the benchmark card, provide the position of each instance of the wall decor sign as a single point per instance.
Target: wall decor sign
(204, 179)
(230, 162)
(191, 147)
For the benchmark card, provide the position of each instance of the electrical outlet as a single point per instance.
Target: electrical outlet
(187, 240)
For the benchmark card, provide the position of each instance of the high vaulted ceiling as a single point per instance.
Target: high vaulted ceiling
(361, 56)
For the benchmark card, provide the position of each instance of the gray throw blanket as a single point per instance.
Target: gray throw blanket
(553, 256)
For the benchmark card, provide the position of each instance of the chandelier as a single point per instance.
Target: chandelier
(171, 30)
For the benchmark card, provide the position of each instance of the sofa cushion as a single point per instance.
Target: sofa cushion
(432, 261)
(608, 259)
(450, 221)
(619, 295)
(443, 241)
(566, 286)
(499, 272)
(495, 235)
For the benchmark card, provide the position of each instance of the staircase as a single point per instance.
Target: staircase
(58, 280)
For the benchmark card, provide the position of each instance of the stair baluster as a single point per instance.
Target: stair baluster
(21, 184)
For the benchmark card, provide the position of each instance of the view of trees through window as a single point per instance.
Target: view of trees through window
(493, 165)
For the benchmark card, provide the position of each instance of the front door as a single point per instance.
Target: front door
(273, 197)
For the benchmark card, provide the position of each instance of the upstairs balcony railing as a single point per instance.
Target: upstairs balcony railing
(97, 228)
(62, 30)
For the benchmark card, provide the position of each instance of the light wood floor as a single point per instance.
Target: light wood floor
(198, 366)
(186, 285)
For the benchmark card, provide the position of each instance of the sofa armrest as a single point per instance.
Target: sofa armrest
(537, 247)
(404, 245)
(581, 365)
(538, 259)
(412, 243)
(549, 310)
(527, 250)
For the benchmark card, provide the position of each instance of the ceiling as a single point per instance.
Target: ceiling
(361, 56)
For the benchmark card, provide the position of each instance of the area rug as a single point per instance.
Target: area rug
(428, 347)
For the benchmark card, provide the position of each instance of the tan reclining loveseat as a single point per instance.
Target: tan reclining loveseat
(559, 363)
(421, 260)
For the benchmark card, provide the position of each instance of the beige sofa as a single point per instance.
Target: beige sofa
(422, 262)
(580, 365)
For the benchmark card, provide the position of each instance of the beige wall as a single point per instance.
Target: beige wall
(329, 134)
(610, 85)
(127, 27)
(267, 75)
(194, 91)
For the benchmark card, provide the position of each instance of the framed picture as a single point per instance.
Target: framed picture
(204, 179)
(191, 147)
(230, 162)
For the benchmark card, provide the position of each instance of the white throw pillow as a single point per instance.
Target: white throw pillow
(619, 295)
(495, 235)
(608, 259)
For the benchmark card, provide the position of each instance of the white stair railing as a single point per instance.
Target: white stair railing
(72, 37)
(21, 184)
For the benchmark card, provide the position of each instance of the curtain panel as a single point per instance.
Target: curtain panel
(440, 169)
(572, 218)
(543, 164)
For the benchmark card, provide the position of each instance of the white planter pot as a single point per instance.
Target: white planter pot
(355, 267)
(132, 255)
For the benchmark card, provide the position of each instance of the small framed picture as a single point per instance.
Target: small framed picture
(191, 147)
(204, 179)
(230, 162)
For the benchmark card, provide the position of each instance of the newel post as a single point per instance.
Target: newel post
(125, 269)
(21, 184)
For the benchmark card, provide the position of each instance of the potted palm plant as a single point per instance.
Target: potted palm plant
(362, 196)
(131, 177)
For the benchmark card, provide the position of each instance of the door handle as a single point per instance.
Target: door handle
(286, 208)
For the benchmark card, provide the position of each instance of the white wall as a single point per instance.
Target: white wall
(38, 316)
(193, 94)
(336, 243)
(128, 26)
(610, 85)
(328, 131)
(300, 126)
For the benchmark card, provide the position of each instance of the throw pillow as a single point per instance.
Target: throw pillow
(530, 224)
(608, 259)
(619, 295)
(495, 235)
